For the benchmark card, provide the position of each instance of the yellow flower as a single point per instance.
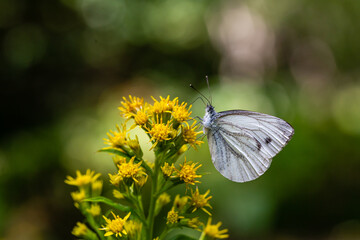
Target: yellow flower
(200, 200)
(173, 216)
(135, 146)
(164, 105)
(180, 113)
(82, 180)
(163, 199)
(133, 228)
(96, 188)
(187, 172)
(130, 106)
(94, 210)
(180, 202)
(183, 149)
(115, 226)
(194, 223)
(117, 194)
(189, 135)
(79, 230)
(131, 170)
(160, 132)
(214, 232)
(118, 138)
(119, 160)
(167, 169)
(141, 180)
(78, 196)
(141, 117)
(115, 179)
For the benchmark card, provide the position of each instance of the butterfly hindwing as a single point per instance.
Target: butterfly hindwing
(243, 143)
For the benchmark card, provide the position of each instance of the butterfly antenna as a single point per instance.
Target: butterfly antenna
(200, 93)
(207, 82)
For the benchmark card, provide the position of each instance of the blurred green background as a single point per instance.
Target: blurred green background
(65, 64)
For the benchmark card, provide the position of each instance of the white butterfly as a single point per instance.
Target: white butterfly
(243, 143)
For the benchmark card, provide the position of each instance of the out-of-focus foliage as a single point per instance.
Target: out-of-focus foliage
(65, 65)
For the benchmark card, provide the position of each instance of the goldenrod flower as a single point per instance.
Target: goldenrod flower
(163, 199)
(141, 180)
(187, 172)
(94, 210)
(160, 132)
(117, 194)
(115, 179)
(200, 200)
(130, 106)
(180, 113)
(115, 226)
(190, 135)
(167, 169)
(119, 160)
(133, 228)
(194, 223)
(78, 196)
(173, 216)
(141, 117)
(213, 230)
(164, 105)
(131, 169)
(79, 230)
(180, 202)
(183, 149)
(135, 146)
(96, 188)
(118, 138)
(82, 180)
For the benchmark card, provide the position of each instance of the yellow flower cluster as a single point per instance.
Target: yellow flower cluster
(171, 131)
(164, 120)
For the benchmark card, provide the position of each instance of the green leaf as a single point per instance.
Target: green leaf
(109, 202)
(114, 151)
(181, 237)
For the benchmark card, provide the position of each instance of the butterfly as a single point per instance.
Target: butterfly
(242, 143)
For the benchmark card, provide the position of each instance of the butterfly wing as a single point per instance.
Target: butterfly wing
(243, 143)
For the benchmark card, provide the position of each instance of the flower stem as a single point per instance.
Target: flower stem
(153, 197)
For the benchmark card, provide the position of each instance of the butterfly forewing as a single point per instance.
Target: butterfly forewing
(244, 142)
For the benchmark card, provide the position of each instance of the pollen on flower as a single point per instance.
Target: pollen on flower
(214, 232)
(164, 105)
(168, 169)
(115, 226)
(187, 172)
(94, 210)
(130, 106)
(79, 230)
(200, 200)
(180, 113)
(190, 135)
(131, 169)
(82, 180)
(160, 132)
(117, 138)
(173, 216)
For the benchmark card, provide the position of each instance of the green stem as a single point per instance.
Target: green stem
(202, 236)
(153, 198)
